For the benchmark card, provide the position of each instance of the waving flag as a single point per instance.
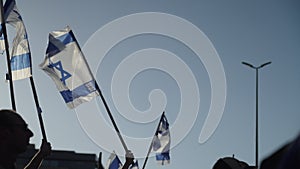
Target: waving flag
(67, 67)
(161, 142)
(114, 162)
(20, 59)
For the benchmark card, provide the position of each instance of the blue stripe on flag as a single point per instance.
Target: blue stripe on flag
(163, 157)
(65, 39)
(20, 62)
(82, 90)
(67, 95)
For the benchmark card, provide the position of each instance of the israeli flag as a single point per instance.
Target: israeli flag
(114, 162)
(67, 67)
(162, 141)
(20, 58)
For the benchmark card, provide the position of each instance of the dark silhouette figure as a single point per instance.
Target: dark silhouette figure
(286, 157)
(291, 159)
(272, 161)
(231, 163)
(14, 139)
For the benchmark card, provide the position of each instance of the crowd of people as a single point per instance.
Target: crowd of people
(15, 136)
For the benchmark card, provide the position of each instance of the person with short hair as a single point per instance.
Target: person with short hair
(14, 139)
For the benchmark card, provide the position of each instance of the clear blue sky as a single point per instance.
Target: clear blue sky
(253, 31)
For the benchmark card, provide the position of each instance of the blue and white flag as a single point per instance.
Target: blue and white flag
(67, 67)
(113, 162)
(162, 141)
(20, 57)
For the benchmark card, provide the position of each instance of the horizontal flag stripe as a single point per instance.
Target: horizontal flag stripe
(81, 91)
(20, 62)
(163, 158)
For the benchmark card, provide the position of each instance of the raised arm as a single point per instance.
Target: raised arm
(37, 159)
(129, 160)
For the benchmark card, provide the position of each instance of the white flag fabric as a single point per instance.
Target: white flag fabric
(67, 67)
(113, 162)
(162, 141)
(20, 57)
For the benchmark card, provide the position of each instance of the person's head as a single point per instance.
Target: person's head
(14, 131)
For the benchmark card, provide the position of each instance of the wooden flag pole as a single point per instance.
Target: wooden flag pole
(38, 108)
(150, 148)
(9, 77)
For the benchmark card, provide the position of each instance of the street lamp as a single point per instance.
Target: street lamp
(256, 115)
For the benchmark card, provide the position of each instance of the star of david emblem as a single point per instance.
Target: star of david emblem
(64, 74)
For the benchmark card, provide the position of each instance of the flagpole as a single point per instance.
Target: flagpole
(111, 118)
(150, 148)
(38, 108)
(9, 78)
(103, 100)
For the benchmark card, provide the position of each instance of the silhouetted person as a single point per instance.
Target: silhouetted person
(14, 139)
(272, 161)
(231, 163)
(286, 157)
(291, 158)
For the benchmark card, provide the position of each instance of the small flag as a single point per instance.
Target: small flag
(161, 142)
(20, 58)
(66, 65)
(114, 162)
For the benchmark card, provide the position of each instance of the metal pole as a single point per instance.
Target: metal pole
(256, 112)
(256, 116)
(112, 119)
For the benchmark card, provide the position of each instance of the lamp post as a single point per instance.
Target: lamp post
(256, 114)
